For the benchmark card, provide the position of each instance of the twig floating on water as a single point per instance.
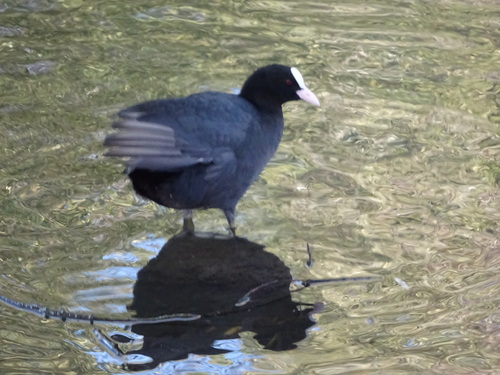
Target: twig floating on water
(309, 282)
(246, 298)
(74, 317)
(309, 262)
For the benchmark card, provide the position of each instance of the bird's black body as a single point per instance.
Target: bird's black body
(206, 149)
(223, 149)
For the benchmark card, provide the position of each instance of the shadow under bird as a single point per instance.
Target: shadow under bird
(206, 149)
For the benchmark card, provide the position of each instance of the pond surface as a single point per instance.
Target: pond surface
(395, 176)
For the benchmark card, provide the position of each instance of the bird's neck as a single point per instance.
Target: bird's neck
(263, 101)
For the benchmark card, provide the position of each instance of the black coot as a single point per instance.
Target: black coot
(205, 150)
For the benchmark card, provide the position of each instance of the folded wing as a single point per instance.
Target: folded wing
(168, 135)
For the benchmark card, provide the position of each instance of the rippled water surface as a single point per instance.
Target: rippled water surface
(395, 176)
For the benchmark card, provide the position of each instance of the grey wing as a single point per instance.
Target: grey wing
(168, 135)
(153, 146)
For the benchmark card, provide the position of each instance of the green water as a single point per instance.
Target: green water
(396, 175)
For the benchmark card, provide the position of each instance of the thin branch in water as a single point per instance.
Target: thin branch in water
(246, 298)
(74, 317)
(309, 262)
(309, 282)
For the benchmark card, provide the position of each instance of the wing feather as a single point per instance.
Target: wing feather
(171, 134)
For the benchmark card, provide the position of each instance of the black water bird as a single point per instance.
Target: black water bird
(206, 149)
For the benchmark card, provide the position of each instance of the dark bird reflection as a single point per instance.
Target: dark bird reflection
(232, 283)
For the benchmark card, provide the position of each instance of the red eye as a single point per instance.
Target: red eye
(288, 82)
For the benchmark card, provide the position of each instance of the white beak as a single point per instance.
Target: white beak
(308, 96)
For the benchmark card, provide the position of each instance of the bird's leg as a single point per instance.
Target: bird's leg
(230, 219)
(188, 224)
